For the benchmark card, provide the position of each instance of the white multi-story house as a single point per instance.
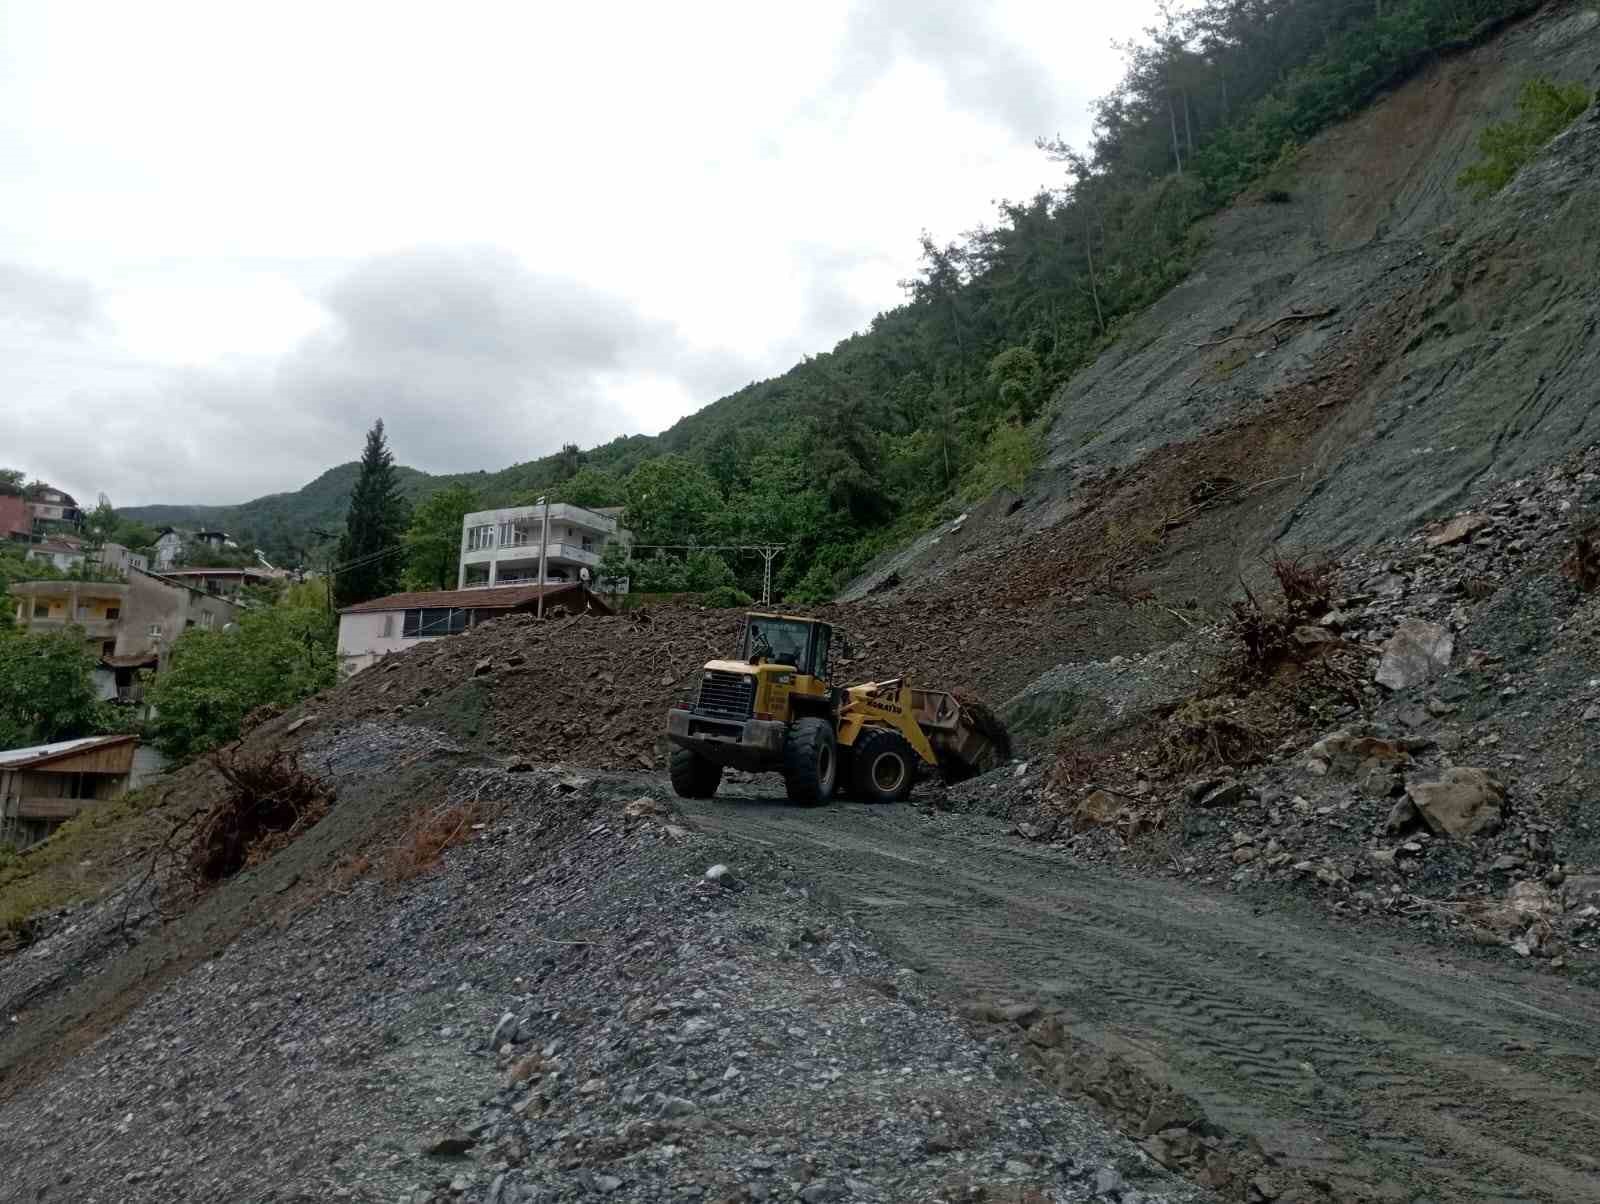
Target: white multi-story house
(501, 547)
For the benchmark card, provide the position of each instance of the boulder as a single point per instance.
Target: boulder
(1099, 808)
(1417, 651)
(1348, 752)
(1225, 795)
(1463, 803)
(1457, 529)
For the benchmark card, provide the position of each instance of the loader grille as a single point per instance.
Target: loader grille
(727, 694)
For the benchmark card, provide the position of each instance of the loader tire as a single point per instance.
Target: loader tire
(692, 775)
(885, 767)
(810, 761)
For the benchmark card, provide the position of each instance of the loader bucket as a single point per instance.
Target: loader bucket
(967, 735)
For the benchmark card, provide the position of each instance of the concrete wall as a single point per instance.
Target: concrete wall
(175, 608)
(363, 642)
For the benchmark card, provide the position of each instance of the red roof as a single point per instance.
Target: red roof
(500, 597)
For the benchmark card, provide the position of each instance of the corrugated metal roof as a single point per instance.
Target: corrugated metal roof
(20, 758)
(499, 597)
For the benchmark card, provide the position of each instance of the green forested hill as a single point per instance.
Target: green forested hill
(944, 397)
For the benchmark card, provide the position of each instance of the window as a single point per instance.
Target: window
(113, 612)
(588, 544)
(481, 537)
(778, 641)
(108, 648)
(819, 651)
(433, 620)
(207, 620)
(153, 631)
(388, 626)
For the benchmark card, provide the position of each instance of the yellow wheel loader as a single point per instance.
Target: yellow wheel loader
(773, 709)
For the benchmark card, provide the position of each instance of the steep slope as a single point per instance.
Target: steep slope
(1359, 344)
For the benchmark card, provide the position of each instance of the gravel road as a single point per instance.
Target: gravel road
(1378, 1068)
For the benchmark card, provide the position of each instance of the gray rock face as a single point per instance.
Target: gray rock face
(1416, 652)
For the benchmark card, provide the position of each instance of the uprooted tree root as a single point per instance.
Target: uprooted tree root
(269, 802)
(1266, 631)
(1583, 565)
(1205, 732)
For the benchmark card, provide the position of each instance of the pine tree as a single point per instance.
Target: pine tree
(374, 528)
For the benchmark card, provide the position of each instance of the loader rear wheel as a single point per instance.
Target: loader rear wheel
(810, 761)
(692, 775)
(885, 767)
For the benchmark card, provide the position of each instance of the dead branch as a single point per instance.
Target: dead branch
(1296, 316)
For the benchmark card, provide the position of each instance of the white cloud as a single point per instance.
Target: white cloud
(499, 226)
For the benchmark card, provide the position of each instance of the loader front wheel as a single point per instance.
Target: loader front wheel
(810, 761)
(884, 767)
(692, 775)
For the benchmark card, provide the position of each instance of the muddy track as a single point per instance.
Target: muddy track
(1379, 1067)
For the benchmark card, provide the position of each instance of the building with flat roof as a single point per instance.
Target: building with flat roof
(501, 547)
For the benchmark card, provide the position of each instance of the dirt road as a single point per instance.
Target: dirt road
(1374, 1064)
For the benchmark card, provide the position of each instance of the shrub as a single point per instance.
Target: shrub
(726, 597)
(1009, 456)
(1544, 109)
(277, 656)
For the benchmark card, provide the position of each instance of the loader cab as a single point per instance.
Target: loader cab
(800, 644)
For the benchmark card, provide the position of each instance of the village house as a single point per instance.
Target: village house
(169, 546)
(227, 583)
(51, 505)
(129, 625)
(16, 518)
(62, 551)
(369, 631)
(44, 786)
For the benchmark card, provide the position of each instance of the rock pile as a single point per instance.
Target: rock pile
(1451, 784)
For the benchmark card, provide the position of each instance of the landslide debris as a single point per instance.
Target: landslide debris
(587, 999)
(1426, 757)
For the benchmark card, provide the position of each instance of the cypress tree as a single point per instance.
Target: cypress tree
(375, 525)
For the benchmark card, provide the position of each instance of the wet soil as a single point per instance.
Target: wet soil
(1356, 1060)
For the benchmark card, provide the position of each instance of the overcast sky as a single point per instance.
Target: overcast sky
(233, 235)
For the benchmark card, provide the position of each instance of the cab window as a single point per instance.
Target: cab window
(777, 641)
(819, 651)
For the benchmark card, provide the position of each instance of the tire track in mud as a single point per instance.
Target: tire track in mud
(1354, 1063)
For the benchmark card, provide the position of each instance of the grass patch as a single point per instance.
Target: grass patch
(81, 857)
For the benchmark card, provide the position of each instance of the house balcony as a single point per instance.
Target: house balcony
(47, 808)
(516, 557)
(94, 629)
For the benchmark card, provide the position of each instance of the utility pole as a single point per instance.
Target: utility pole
(768, 555)
(544, 546)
